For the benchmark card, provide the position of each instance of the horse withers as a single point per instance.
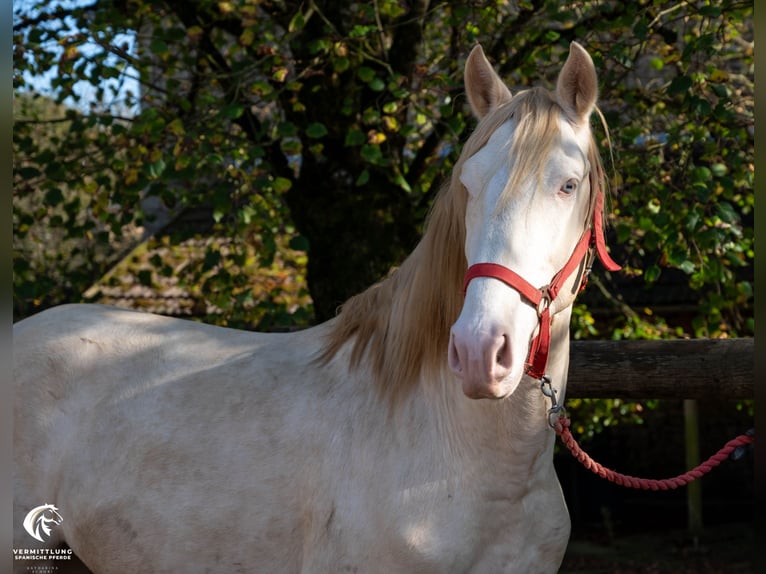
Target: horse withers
(359, 445)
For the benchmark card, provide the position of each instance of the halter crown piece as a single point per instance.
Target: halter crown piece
(542, 298)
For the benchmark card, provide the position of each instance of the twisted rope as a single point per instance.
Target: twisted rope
(561, 427)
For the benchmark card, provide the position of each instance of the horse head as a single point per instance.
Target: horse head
(529, 187)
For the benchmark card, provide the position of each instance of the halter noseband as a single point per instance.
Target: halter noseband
(543, 298)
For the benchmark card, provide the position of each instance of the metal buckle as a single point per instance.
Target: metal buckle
(545, 301)
(557, 410)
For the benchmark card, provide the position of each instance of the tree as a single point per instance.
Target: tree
(340, 119)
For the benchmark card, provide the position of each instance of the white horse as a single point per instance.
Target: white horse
(355, 446)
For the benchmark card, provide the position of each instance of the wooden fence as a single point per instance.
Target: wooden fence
(687, 368)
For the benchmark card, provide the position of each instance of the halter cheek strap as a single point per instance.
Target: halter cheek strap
(542, 298)
(600, 242)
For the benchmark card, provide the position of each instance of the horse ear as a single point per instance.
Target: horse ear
(577, 86)
(485, 89)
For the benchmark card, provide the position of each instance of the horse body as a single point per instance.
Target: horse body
(170, 446)
(300, 473)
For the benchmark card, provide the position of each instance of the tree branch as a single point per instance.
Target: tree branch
(119, 52)
(68, 119)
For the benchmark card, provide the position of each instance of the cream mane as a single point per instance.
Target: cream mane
(401, 326)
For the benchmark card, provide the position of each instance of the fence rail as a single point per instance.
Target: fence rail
(688, 369)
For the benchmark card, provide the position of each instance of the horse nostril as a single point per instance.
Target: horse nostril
(502, 357)
(483, 359)
(454, 356)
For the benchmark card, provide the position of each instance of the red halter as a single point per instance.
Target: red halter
(542, 298)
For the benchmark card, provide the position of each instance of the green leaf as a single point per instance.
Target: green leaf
(28, 172)
(319, 45)
(727, 213)
(341, 64)
(692, 220)
(355, 137)
(297, 22)
(54, 197)
(287, 129)
(156, 168)
(158, 46)
(363, 178)
(552, 35)
(390, 107)
(366, 74)
(702, 173)
(292, 147)
(247, 37)
(680, 85)
(652, 273)
(359, 31)
(377, 85)
(640, 29)
(176, 127)
(282, 184)
(402, 182)
(372, 153)
(687, 267)
(232, 111)
(145, 277)
(212, 258)
(719, 169)
(316, 130)
(745, 288)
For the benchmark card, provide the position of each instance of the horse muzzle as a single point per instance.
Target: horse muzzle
(486, 364)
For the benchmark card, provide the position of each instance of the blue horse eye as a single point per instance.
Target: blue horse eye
(570, 186)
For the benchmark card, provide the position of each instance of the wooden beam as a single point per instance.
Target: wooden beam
(677, 369)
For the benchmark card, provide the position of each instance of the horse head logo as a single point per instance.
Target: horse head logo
(39, 520)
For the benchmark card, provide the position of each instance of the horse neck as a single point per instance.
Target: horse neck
(512, 431)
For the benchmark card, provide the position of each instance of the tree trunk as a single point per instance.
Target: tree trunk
(356, 235)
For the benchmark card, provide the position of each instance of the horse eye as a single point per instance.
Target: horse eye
(570, 186)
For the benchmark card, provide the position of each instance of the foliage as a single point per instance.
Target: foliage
(695, 162)
(329, 126)
(66, 234)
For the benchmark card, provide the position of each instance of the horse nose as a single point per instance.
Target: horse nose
(482, 362)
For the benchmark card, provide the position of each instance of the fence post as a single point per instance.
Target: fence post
(694, 489)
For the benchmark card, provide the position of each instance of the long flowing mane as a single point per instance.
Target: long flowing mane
(401, 325)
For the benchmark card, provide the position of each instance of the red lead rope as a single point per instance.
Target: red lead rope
(562, 429)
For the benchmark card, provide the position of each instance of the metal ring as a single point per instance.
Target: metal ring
(550, 392)
(545, 301)
(554, 414)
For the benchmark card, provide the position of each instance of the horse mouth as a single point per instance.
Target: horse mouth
(492, 390)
